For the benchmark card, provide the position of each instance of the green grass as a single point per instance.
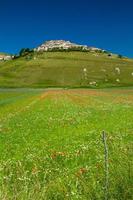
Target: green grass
(51, 144)
(65, 69)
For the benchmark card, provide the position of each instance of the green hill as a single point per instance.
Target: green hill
(67, 69)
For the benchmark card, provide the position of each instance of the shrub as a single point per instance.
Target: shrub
(25, 51)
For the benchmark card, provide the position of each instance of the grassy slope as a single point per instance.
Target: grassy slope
(66, 69)
(51, 144)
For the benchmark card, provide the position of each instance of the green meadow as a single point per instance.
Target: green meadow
(51, 145)
(67, 69)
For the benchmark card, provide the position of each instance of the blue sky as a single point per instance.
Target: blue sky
(100, 23)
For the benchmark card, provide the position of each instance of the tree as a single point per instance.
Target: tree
(24, 51)
(120, 56)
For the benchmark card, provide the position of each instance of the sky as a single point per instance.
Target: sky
(107, 24)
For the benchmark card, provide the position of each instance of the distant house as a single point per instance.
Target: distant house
(59, 44)
(1, 58)
(5, 57)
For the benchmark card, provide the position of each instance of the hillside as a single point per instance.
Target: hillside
(67, 69)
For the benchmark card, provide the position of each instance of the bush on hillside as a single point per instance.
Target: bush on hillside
(120, 56)
(25, 51)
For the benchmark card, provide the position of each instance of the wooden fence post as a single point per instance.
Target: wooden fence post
(106, 164)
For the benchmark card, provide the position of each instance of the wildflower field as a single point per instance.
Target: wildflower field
(51, 145)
